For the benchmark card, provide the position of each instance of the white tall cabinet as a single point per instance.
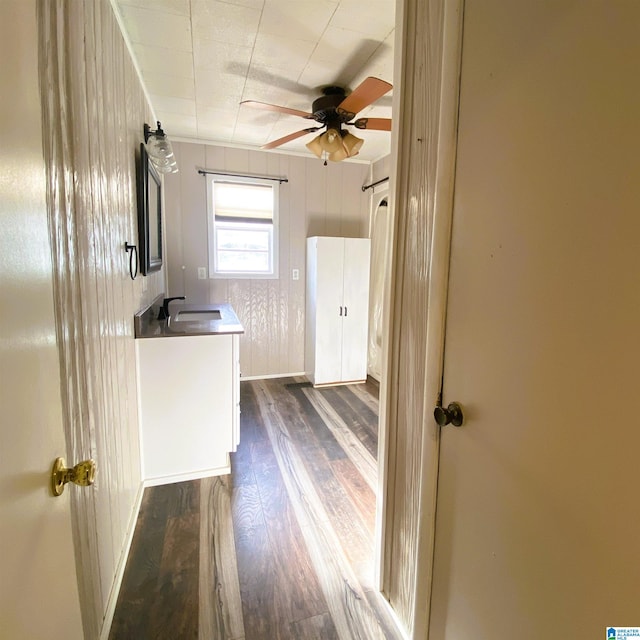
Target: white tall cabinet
(337, 309)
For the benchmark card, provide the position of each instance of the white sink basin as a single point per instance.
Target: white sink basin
(203, 315)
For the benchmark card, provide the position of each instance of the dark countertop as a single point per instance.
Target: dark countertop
(146, 324)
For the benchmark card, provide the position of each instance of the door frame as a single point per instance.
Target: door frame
(407, 75)
(438, 284)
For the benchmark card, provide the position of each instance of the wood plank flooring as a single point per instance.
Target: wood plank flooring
(282, 548)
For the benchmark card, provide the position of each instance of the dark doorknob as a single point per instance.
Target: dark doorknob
(451, 415)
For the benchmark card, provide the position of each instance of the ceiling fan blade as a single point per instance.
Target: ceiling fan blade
(367, 92)
(375, 124)
(289, 138)
(274, 107)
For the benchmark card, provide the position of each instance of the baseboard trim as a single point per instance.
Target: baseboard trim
(194, 475)
(122, 563)
(320, 385)
(273, 375)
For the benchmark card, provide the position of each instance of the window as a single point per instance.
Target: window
(243, 227)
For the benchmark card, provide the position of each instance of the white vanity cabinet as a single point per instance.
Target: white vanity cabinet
(337, 309)
(189, 405)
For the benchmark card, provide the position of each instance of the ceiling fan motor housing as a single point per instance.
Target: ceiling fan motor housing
(324, 108)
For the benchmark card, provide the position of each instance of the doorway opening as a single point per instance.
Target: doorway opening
(287, 542)
(281, 547)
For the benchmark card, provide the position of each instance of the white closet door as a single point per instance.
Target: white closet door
(356, 309)
(329, 306)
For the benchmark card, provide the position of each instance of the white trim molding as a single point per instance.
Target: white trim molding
(426, 90)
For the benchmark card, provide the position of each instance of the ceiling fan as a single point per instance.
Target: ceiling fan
(332, 110)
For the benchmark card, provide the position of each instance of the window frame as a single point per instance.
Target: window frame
(213, 227)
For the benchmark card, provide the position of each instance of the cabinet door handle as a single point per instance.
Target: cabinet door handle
(345, 312)
(340, 310)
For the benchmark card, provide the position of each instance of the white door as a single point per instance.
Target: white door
(538, 508)
(38, 589)
(355, 325)
(329, 303)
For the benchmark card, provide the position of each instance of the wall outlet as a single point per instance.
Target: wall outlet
(202, 273)
(295, 274)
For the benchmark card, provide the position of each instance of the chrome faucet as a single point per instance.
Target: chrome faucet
(163, 313)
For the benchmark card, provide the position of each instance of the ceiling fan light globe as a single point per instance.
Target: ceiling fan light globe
(332, 135)
(331, 140)
(352, 143)
(338, 155)
(315, 146)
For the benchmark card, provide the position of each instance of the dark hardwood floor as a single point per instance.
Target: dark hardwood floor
(282, 548)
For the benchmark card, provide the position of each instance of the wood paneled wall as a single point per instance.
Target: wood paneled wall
(317, 200)
(93, 115)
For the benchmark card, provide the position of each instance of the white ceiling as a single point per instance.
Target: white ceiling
(200, 58)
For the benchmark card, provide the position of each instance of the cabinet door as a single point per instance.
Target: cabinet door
(329, 310)
(356, 309)
(186, 404)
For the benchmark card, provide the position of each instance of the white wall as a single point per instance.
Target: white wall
(317, 200)
(381, 169)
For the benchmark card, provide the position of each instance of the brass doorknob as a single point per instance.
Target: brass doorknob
(451, 415)
(83, 474)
